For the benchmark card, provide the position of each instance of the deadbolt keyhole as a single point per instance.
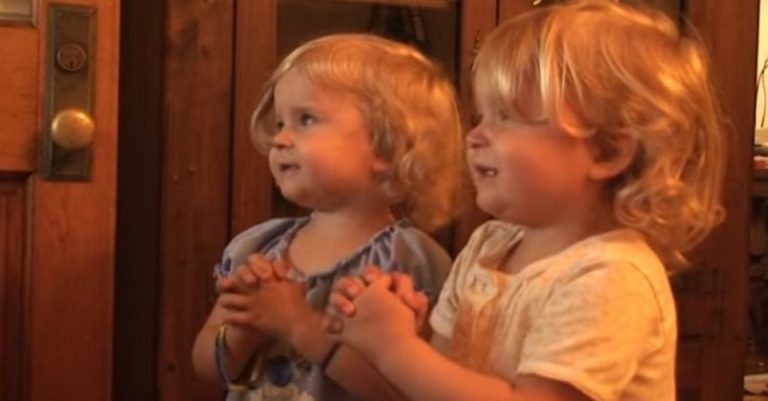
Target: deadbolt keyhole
(71, 57)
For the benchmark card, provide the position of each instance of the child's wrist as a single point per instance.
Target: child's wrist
(305, 334)
(228, 336)
(393, 353)
(296, 327)
(329, 356)
(241, 336)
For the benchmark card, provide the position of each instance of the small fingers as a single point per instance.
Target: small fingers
(233, 301)
(237, 317)
(281, 269)
(418, 302)
(244, 277)
(332, 324)
(339, 304)
(261, 267)
(226, 284)
(370, 274)
(382, 282)
(403, 285)
(350, 286)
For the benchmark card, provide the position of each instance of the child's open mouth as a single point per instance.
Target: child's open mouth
(486, 171)
(287, 167)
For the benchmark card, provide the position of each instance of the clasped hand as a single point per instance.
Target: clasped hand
(375, 310)
(258, 295)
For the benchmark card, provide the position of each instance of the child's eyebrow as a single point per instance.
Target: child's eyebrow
(304, 108)
(296, 110)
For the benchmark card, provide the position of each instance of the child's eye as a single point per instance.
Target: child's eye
(279, 125)
(502, 115)
(475, 119)
(307, 119)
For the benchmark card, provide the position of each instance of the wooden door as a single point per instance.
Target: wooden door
(56, 236)
(713, 298)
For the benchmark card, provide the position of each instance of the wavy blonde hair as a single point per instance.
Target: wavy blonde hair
(411, 109)
(623, 71)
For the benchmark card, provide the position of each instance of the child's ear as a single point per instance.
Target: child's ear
(611, 159)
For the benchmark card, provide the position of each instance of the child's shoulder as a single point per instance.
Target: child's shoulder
(491, 237)
(618, 258)
(419, 255)
(408, 238)
(412, 246)
(255, 239)
(622, 246)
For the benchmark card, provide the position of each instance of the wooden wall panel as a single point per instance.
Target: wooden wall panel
(477, 20)
(13, 285)
(511, 8)
(18, 99)
(255, 58)
(138, 209)
(195, 181)
(730, 30)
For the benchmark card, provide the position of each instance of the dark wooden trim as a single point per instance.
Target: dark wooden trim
(730, 30)
(510, 8)
(477, 20)
(13, 290)
(138, 207)
(255, 58)
(195, 183)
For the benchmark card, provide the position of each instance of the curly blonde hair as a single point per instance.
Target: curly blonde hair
(411, 109)
(623, 71)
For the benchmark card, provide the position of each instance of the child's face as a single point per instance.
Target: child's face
(530, 174)
(321, 156)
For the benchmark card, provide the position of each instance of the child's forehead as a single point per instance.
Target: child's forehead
(299, 91)
(298, 80)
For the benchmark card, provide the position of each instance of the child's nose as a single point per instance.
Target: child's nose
(282, 139)
(477, 137)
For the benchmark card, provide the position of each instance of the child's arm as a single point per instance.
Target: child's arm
(422, 373)
(383, 329)
(286, 315)
(342, 364)
(240, 343)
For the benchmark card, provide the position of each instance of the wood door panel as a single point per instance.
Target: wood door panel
(695, 297)
(729, 28)
(690, 367)
(18, 98)
(12, 287)
(477, 20)
(195, 183)
(71, 287)
(56, 238)
(511, 8)
(255, 58)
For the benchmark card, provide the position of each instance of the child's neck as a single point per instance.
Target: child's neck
(332, 236)
(541, 242)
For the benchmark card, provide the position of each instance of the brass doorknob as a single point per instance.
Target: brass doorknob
(73, 129)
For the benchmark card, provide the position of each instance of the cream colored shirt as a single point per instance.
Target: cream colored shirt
(599, 315)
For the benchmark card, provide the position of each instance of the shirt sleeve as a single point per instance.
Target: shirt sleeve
(254, 239)
(416, 254)
(593, 329)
